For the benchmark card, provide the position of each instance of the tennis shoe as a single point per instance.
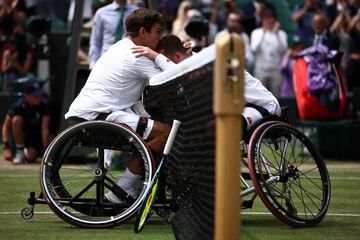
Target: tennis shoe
(111, 197)
(20, 157)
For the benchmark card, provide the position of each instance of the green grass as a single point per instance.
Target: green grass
(16, 184)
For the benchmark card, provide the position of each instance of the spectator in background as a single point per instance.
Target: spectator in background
(218, 16)
(322, 34)
(29, 120)
(268, 44)
(222, 13)
(182, 18)
(233, 25)
(333, 8)
(168, 9)
(87, 11)
(353, 64)
(287, 67)
(252, 11)
(17, 60)
(196, 30)
(12, 18)
(108, 28)
(340, 27)
(303, 15)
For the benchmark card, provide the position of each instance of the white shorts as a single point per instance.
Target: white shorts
(130, 118)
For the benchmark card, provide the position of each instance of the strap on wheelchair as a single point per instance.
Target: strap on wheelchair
(261, 110)
(142, 124)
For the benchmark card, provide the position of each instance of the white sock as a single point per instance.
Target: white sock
(128, 183)
(20, 146)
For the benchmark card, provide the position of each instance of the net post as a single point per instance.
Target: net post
(228, 106)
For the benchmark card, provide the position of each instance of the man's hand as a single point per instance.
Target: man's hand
(277, 27)
(140, 51)
(187, 46)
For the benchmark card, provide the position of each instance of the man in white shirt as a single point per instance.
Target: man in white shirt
(233, 25)
(268, 44)
(260, 101)
(116, 83)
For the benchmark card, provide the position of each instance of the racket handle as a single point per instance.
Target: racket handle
(171, 138)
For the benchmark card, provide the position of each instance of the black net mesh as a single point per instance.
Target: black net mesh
(189, 170)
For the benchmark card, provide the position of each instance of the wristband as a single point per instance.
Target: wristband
(6, 145)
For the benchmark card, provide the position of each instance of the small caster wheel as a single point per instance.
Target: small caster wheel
(27, 213)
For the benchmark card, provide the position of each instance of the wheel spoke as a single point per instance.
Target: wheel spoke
(301, 178)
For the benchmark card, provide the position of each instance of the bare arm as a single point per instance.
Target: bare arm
(214, 11)
(354, 21)
(5, 128)
(300, 14)
(25, 68)
(6, 63)
(337, 23)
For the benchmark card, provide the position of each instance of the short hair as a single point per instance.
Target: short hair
(171, 44)
(267, 12)
(142, 17)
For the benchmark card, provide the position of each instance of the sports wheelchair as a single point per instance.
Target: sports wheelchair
(279, 164)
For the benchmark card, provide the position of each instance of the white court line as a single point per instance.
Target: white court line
(345, 178)
(327, 214)
(16, 213)
(242, 213)
(28, 176)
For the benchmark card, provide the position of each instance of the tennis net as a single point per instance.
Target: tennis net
(185, 92)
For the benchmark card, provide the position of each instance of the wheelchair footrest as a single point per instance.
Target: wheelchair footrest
(32, 200)
(247, 204)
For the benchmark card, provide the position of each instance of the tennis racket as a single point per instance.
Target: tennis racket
(150, 195)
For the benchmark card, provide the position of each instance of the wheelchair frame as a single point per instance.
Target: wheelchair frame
(274, 182)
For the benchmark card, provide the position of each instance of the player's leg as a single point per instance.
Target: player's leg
(18, 131)
(154, 133)
(33, 144)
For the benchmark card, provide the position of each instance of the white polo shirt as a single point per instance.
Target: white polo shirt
(116, 82)
(268, 48)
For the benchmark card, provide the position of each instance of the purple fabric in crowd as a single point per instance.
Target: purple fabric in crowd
(318, 58)
(322, 81)
(286, 68)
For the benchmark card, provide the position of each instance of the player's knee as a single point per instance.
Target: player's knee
(158, 136)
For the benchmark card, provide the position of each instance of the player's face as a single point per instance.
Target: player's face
(152, 38)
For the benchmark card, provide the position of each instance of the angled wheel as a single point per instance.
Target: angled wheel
(79, 167)
(289, 174)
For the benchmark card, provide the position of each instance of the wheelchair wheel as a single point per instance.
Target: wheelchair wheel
(289, 174)
(82, 164)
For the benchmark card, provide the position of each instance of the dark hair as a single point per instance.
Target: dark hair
(142, 17)
(197, 27)
(171, 44)
(267, 12)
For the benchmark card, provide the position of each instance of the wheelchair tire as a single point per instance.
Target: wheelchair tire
(74, 176)
(289, 174)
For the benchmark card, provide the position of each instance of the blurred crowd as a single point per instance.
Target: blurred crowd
(269, 47)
